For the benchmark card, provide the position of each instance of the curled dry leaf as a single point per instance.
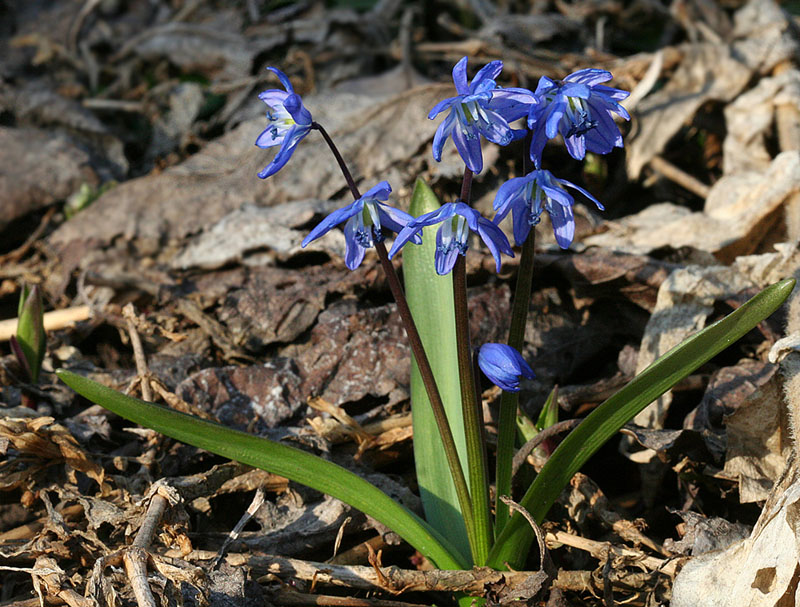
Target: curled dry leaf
(44, 439)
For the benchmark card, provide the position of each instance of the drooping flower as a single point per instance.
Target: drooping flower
(288, 122)
(526, 197)
(503, 365)
(452, 238)
(581, 109)
(366, 217)
(480, 108)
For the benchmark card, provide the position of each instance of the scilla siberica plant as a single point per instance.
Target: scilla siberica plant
(581, 111)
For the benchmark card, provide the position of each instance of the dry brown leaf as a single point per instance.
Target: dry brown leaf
(739, 217)
(42, 438)
(759, 441)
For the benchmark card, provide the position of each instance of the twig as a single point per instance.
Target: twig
(537, 531)
(53, 321)
(391, 579)
(549, 432)
(75, 27)
(683, 179)
(138, 352)
(255, 505)
(135, 557)
(290, 597)
(600, 550)
(19, 252)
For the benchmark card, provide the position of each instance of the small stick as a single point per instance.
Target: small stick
(18, 253)
(549, 432)
(600, 550)
(290, 597)
(683, 179)
(537, 531)
(53, 321)
(135, 557)
(361, 577)
(138, 352)
(255, 505)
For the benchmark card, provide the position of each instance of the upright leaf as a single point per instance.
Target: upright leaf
(30, 330)
(430, 298)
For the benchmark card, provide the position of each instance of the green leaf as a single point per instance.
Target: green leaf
(549, 413)
(601, 424)
(277, 458)
(30, 330)
(430, 298)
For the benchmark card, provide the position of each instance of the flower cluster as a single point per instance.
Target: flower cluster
(579, 108)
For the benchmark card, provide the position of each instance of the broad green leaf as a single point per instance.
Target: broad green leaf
(601, 424)
(277, 458)
(430, 298)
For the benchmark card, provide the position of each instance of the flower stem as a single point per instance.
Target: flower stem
(425, 371)
(509, 401)
(470, 403)
(348, 177)
(437, 405)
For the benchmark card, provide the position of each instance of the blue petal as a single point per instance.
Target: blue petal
(555, 112)
(497, 131)
(442, 133)
(545, 86)
(444, 261)
(283, 78)
(290, 141)
(333, 220)
(441, 106)
(508, 193)
(469, 148)
(569, 184)
(446, 211)
(267, 140)
(379, 192)
(395, 220)
(273, 97)
(538, 141)
(410, 232)
(563, 224)
(353, 252)
(495, 240)
(488, 72)
(468, 213)
(589, 76)
(559, 194)
(512, 104)
(576, 146)
(521, 225)
(460, 77)
(294, 105)
(573, 89)
(610, 92)
(503, 365)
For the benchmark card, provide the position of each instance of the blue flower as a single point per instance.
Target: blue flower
(457, 220)
(539, 191)
(503, 365)
(288, 123)
(480, 108)
(365, 217)
(581, 110)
